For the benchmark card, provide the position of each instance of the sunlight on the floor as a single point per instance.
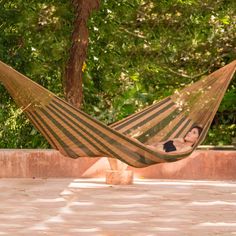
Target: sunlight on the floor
(15, 216)
(117, 222)
(5, 225)
(85, 230)
(130, 205)
(86, 185)
(137, 196)
(168, 220)
(111, 213)
(184, 183)
(66, 192)
(49, 200)
(219, 224)
(100, 183)
(39, 226)
(56, 219)
(65, 210)
(213, 203)
(77, 203)
(163, 229)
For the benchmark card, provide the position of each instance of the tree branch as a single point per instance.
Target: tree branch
(131, 33)
(187, 76)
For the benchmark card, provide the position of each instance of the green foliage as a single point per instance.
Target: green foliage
(34, 39)
(139, 51)
(221, 134)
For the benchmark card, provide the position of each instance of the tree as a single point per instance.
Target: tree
(139, 51)
(78, 50)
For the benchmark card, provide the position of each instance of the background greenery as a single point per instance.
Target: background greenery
(139, 51)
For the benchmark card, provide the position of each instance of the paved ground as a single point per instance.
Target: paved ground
(89, 207)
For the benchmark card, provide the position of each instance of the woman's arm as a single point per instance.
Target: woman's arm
(186, 148)
(156, 147)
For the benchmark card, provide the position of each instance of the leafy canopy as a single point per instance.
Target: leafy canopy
(139, 51)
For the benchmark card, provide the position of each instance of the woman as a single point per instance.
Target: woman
(180, 144)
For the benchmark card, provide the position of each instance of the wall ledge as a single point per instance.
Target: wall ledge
(49, 163)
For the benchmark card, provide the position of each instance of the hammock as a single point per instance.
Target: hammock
(76, 134)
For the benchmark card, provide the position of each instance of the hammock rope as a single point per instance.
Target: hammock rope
(76, 134)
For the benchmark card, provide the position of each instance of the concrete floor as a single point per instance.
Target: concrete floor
(89, 207)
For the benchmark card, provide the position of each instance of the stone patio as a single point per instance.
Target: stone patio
(90, 207)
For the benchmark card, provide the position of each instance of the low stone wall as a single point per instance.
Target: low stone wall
(202, 164)
(207, 164)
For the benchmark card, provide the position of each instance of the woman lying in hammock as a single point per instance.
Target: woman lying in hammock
(179, 144)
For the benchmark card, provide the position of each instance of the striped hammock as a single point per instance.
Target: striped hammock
(76, 134)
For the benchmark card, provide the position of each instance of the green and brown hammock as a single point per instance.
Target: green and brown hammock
(76, 134)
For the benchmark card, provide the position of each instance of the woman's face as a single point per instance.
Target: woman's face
(192, 135)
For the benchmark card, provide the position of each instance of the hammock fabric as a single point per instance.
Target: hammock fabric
(76, 134)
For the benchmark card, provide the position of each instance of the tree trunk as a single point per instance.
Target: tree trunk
(78, 51)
